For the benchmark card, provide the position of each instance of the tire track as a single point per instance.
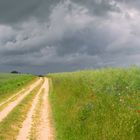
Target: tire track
(13, 104)
(22, 90)
(27, 124)
(16, 94)
(45, 130)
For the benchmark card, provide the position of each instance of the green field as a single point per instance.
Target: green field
(96, 105)
(11, 83)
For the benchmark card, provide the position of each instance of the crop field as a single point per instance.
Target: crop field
(96, 105)
(10, 83)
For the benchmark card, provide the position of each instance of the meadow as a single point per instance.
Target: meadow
(96, 104)
(11, 83)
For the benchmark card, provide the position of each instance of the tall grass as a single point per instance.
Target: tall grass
(97, 105)
(12, 82)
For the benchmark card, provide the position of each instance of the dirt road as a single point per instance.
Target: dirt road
(12, 105)
(44, 129)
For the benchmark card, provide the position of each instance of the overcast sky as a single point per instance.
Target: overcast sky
(41, 36)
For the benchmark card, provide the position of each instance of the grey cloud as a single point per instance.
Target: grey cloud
(130, 3)
(100, 7)
(67, 35)
(19, 10)
(13, 10)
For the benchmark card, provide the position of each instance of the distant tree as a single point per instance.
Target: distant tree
(40, 75)
(15, 72)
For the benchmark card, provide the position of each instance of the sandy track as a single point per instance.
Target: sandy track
(13, 104)
(12, 97)
(27, 124)
(45, 131)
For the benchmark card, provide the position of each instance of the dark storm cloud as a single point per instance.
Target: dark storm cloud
(60, 35)
(14, 10)
(100, 7)
(131, 3)
(19, 10)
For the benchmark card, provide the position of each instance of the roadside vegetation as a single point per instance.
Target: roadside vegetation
(10, 126)
(11, 83)
(96, 105)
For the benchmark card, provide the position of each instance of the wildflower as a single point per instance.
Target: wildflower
(126, 87)
(121, 100)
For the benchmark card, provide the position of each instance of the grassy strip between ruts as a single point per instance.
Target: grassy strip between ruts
(36, 118)
(10, 84)
(11, 125)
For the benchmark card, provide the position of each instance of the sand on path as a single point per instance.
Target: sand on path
(45, 129)
(27, 124)
(13, 104)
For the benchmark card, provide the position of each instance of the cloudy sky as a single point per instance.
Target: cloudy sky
(41, 36)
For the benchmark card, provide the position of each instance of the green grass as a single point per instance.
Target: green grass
(36, 118)
(10, 126)
(10, 83)
(96, 105)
